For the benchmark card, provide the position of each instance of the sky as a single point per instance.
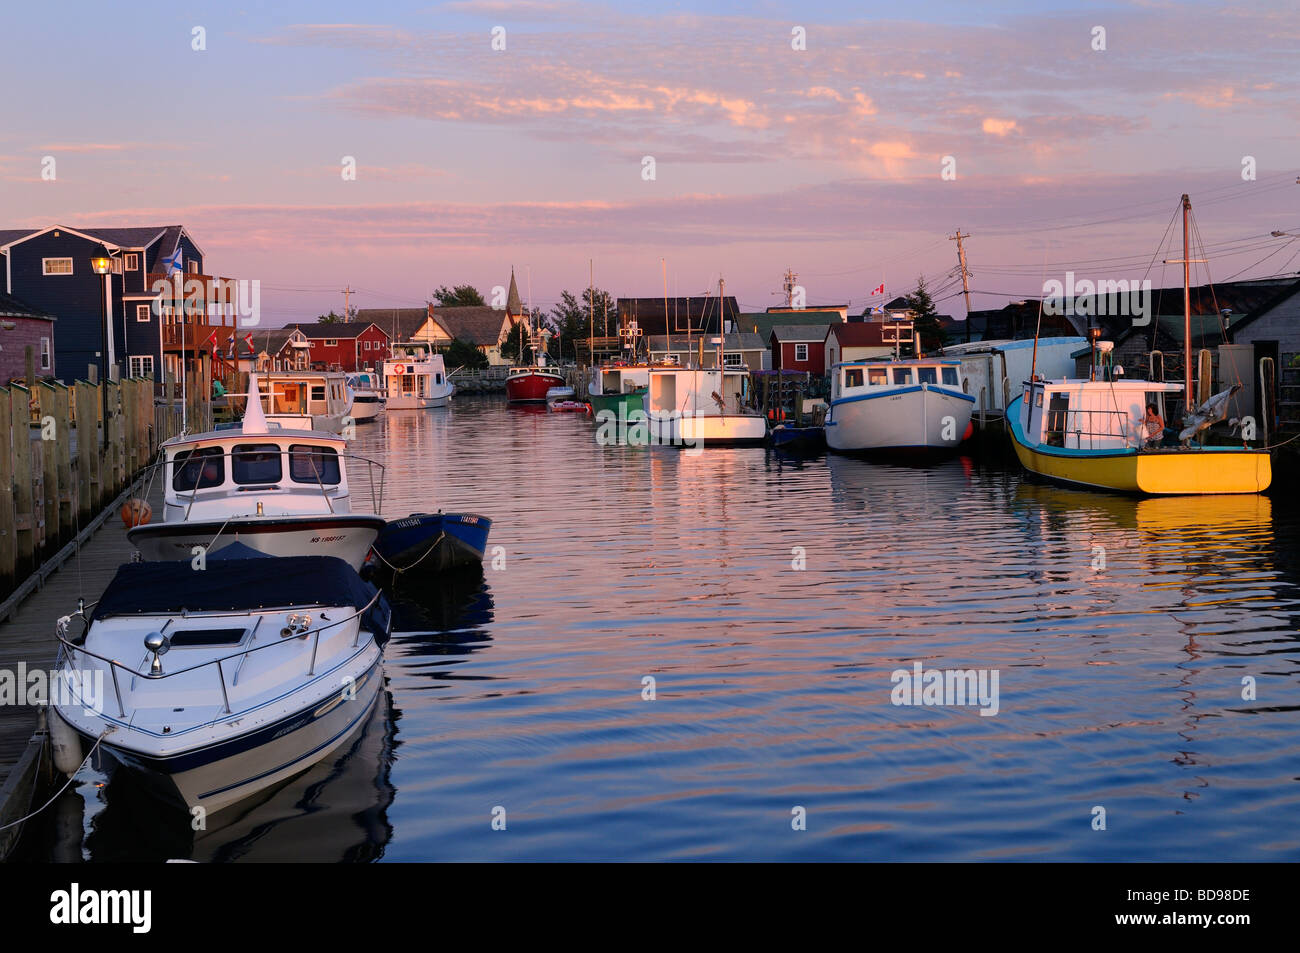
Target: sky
(844, 141)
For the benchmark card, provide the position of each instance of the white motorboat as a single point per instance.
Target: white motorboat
(306, 400)
(901, 406)
(368, 396)
(415, 378)
(279, 491)
(694, 406)
(215, 685)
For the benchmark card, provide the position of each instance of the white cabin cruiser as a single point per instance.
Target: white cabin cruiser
(279, 491)
(307, 400)
(916, 405)
(415, 378)
(695, 406)
(368, 397)
(215, 685)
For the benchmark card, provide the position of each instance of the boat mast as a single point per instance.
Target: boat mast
(722, 324)
(591, 311)
(1188, 401)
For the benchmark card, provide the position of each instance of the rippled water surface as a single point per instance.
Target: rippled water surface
(770, 600)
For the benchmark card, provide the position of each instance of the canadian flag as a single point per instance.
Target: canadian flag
(249, 339)
(212, 340)
(879, 289)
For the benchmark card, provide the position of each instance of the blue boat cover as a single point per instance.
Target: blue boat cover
(232, 585)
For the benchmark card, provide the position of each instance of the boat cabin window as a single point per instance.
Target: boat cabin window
(255, 463)
(1058, 409)
(927, 375)
(317, 391)
(950, 376)
(902, 375)
(183, 638)
(313, 464)
(198, 469)
(853, 377)
(877, 375)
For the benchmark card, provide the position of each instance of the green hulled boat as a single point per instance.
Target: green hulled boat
(618, 385)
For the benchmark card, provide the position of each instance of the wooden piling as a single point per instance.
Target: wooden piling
(23, 492)
(87, 440)
(7, 540)
(51, 490)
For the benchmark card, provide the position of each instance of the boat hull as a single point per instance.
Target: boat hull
(347, 536)
(1163, 472)
(632, 400)
(411, 402)
(432, 542)
(912, 419)
(366, 408)
(710, 429)
(222, 773)
(531, 388)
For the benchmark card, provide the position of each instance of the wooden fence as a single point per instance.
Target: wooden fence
(66, 451)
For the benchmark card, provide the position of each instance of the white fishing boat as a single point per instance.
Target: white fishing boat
(368, 396)
(694, 406)
(215, 685)
(279, 491)
(415, 378)
(902, 406)
(306, 400)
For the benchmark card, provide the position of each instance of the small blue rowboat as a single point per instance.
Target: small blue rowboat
(431, 542)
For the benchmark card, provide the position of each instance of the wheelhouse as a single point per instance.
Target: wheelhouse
(862, 378)
(1087, 415)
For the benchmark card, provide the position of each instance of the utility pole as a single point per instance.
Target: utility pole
(347, 292)
(788, 286)
(965, 275)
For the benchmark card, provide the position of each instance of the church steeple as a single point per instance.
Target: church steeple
(514, 307)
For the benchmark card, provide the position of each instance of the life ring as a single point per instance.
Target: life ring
(136, 512)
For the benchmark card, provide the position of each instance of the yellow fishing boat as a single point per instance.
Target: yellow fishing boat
(1093, 433)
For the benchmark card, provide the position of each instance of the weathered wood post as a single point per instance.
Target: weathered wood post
(52, 430)
(63, 460)
(7, 550)
(87, 449)
(20, 409)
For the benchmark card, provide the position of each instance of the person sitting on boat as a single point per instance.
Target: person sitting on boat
(1155, 426)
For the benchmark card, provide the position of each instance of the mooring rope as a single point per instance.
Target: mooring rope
(59, 792)
(399, 570)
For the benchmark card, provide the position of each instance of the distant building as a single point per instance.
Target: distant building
(738, 349)
(863, 340)
(21, 327)
(344, 346)
(800, 347)
(763, 322)
(50, 270)
(674, 316)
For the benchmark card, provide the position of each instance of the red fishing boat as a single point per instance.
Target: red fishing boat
(528, 385)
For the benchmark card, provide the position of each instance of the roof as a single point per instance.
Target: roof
(338, 329)
(801, 332)
(653, 318)
(735, 341)
(11, 307)
(400, 324)
(1264, 307)
(513, 305)
(271, 340)
(479, 325)
(762, 322)
(136, 237)
(860, 334)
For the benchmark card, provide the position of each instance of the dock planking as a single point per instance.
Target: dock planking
(28, 636)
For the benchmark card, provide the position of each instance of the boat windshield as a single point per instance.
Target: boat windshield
(313, 464)
(877, 375)
(255, 463)
(950, 376)
(902, 375)
(198, 469)
(927, 375)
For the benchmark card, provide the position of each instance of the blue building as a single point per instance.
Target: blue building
(51, 270)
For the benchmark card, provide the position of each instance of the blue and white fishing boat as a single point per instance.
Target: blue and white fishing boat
(431, 542)
(902, 406)
(217, 684)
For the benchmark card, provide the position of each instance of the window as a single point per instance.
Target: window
(45, 354)
(115, 266)
(331, 342)
(853, 377)
(877, 376)
(198, 469)
(950, 376)
(732, 360)
(142, 312)
(56, 266)
(132, 262)
(192, 267)
(902, 375)
(255, 463)
(317, 391)
(801, 352)
(311, 464)
(927, 375)
(367, 347)
(141, 365)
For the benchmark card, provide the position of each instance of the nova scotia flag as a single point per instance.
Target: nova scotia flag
(173, 261)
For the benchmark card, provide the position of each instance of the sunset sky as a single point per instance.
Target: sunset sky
(826, 160)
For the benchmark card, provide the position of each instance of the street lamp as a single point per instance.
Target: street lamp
(103, 265)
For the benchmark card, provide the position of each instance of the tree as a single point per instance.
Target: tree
(573, 314)
(460, 296)
(515, 343)
(929, 332)
(463, 354)
(330, 318)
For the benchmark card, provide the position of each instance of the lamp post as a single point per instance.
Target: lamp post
(102, 265)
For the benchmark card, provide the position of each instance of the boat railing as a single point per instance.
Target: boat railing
(1073, 428)
(288, 635)
(373, 467)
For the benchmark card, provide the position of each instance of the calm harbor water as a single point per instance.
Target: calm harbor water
(522, 687)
